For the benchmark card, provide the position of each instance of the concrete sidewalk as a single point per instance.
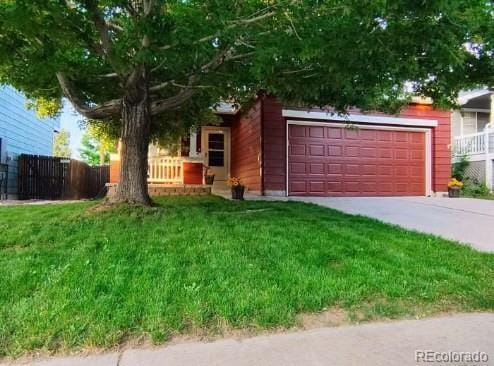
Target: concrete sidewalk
(390, 343)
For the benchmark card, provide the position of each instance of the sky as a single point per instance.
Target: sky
(69, 121)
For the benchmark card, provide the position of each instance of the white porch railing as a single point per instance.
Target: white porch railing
(475, 143)
(165, 169)
(478, 147)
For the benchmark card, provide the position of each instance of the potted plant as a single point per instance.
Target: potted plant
(454, 188)
(208, 176)
(237, 188)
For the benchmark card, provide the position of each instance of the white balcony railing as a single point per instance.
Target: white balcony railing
(475, 143)
(165, 169)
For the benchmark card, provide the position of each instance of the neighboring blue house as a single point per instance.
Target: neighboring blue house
(21, 132)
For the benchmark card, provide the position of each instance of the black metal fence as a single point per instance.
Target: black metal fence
(48, 177)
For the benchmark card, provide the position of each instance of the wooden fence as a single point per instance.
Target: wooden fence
(48, 177)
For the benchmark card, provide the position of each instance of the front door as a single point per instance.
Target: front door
(216, 142)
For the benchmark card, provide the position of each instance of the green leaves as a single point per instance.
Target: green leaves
(339, 53)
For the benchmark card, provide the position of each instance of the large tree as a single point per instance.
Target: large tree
(156, 67)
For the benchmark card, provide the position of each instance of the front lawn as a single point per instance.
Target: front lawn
(73, 278)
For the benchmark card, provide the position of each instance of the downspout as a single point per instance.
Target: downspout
(261, 165)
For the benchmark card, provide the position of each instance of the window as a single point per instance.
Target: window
(473, 122)
(216, 149)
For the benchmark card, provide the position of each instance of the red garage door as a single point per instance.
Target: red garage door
(336, 161)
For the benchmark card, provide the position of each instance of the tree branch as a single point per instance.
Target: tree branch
(105, 110)
(108, 76)
(163, 105)
(103, 29)
(161, 86)
(115, 26)
(130, 8)
(232, 24)
(189, 90)
(148, 7)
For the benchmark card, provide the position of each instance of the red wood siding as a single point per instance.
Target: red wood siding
(274, 143)
(114, 171)
(441, 142)
(246, 148)
(192, 173)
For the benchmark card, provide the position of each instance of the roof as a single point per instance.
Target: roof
(468, 96)
(226, 108)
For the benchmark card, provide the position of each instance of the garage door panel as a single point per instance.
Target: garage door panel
(369, 135)
(385, 136)
(335, 186)
(351, 186)
(297, 131)
(416, 187)
(417, 172)
(385, 153)
(385, 187)
(401, 171)
(335, 150)
(297, 149)
(369, 187)
(417, 155)
(352, 151)
(316, 168)
(334, 133)
(334, 161)
(385, 170)
(352, 169)
(417, 138)
(335, 168)
(368, 152)
(297, 186)
(351, 134)
(317, 186)
(298, 168)
(400, 137)
(401, 154)
(316, 150)
(368, 170)
(316, 132)
(401, 187)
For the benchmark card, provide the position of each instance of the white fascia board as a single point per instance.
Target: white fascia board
(464, 99)
(359, 118)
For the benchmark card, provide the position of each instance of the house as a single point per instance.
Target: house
(279, 150)
(473, 134)
(21, 132)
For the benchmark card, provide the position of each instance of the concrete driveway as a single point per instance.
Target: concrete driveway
(467, 220)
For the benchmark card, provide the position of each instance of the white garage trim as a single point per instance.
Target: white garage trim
(360, 118)
(428, 145)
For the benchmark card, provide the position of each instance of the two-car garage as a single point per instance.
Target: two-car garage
(355, 161)
(332, 158)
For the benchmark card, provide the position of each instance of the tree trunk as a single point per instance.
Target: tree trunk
(136, 122)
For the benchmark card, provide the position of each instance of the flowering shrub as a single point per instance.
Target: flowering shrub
(453, 182)
(233, 182)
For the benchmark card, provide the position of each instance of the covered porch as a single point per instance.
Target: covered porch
(205, 151)
(479, 149)
(473, 134)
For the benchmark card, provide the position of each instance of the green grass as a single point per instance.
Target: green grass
(72, 278)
